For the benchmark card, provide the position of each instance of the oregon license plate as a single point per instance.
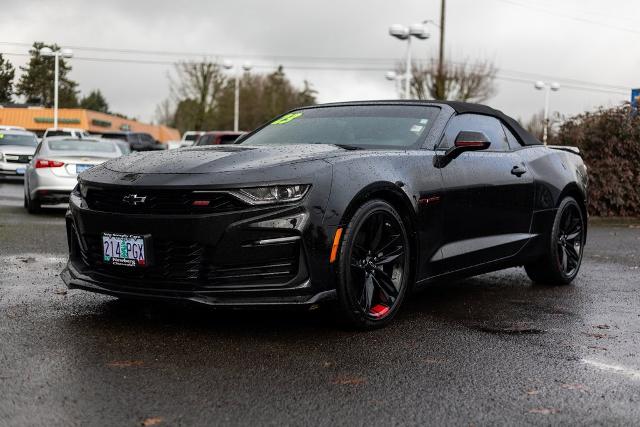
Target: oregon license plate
(124, 249)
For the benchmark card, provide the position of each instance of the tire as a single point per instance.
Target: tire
(565, 247)
(373, 283)
(32, 206)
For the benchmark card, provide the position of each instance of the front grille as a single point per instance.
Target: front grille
(16, 158)
(191, 266)
(160, 201)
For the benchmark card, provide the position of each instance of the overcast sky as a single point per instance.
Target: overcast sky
(585, 43)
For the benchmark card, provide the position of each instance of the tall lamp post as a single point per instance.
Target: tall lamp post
(547, 87)
(402, 32)
(228, 64)
(65, 53)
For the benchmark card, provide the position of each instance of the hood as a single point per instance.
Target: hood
(201, 160)
(17, 149)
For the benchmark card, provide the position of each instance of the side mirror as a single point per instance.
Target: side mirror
(465, 141)
(468, 141)
(471, 141)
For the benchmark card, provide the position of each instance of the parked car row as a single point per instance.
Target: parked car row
(199, 138)
(138, 141)
(51, 166)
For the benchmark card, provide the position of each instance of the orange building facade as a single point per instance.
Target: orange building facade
(38, 119)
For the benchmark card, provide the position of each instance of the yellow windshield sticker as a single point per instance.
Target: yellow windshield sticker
(1, 135)
(286, 118)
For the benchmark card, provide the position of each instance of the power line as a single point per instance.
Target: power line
(581, 9)
(211, 54)
(564, 85)
(389, 62)
(567, 16)
(568, 83)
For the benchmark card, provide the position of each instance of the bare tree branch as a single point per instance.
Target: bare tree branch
(464, 81)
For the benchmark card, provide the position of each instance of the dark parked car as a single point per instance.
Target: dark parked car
(218, 138)
(351, 203)
(138, 141)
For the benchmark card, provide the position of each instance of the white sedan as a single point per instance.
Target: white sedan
(52, 174)
(16, 151)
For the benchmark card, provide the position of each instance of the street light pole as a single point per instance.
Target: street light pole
(540, 85)
(407, 74)
(236, 103)
(403, 32)
(55, 90)
(65, 53)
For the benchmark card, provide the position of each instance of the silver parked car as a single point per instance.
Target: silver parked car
(53, 172)
(16, 151)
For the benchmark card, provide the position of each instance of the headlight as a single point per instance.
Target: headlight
(272, 194)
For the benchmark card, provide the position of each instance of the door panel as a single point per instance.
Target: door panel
(487, 203)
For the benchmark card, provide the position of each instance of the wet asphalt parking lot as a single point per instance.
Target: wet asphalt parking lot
(491, 350)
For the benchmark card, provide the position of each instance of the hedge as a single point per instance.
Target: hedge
(609, 140)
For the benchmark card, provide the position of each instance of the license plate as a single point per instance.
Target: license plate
(21, 171)
(124, 250)
(82, 168)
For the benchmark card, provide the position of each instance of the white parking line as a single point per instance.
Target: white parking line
(628, 372)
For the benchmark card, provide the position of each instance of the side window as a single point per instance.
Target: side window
(454, 127)
(511, 139)
(490, 126)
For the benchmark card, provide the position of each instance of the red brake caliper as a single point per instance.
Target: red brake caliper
(379, 310)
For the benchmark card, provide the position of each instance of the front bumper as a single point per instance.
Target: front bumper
(76, 280)
(12, 169)
(257, 256)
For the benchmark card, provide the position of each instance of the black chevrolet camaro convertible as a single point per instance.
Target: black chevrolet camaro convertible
(353, 204)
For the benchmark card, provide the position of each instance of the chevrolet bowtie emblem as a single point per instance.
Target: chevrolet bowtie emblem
(134, 199)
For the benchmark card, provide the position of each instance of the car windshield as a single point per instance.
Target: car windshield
(191, 137)
(376, 126)
(85, 145)
(15, 139)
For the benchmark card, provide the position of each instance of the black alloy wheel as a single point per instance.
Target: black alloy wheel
(569, 240)
(560, 265)
(374, 270)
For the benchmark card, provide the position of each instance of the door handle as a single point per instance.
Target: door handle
(518, 170)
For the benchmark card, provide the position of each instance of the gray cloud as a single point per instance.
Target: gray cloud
(519, 39)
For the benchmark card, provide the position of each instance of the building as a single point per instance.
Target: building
(38, 119)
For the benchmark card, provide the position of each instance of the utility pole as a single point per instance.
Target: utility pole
(440, 78)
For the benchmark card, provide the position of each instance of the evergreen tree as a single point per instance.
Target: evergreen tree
(36, 81)
(95, 101)
(7, 73)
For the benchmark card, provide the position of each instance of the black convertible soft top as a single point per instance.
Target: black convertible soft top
(460, 108)
(514, 126)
